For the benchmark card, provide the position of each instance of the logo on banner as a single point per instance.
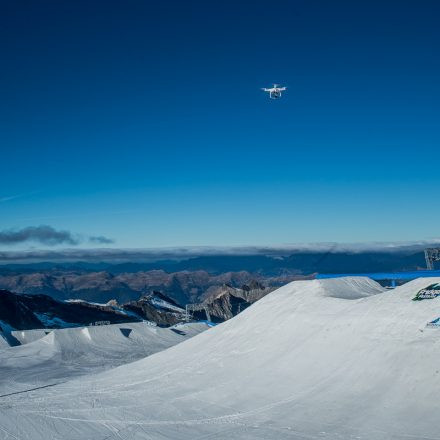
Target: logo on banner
(429, 292)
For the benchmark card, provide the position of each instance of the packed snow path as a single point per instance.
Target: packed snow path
(332, 359)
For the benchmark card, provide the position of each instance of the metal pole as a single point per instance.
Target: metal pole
(429, 264)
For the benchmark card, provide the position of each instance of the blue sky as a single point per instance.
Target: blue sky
(143, 121)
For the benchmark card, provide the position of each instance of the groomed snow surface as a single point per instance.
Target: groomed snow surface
(323, 359)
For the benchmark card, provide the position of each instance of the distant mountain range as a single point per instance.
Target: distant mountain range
(183, 287)
(191, 280)
(266, 265)
(51, 295)
(24, 311)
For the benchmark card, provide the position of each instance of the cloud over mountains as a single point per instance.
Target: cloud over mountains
(181, 253)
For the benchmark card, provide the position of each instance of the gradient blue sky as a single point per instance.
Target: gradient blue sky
(143, 121)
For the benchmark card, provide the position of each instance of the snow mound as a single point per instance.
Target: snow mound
(86, 333)
(350, 287)
(328, 359)
(66, 353)
(26, 336)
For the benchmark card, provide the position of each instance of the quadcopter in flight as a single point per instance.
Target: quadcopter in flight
(275, 91)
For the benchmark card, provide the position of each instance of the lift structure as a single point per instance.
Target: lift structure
(431, 255)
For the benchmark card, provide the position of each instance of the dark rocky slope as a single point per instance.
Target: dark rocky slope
(41, 311)
(23, 312)
(227, 301)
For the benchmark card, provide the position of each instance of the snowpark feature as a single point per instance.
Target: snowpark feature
(63, 354)
(333, 359)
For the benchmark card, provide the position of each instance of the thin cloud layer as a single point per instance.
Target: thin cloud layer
(101, 240)
(7, 198)
(46, 235)
(182, 253)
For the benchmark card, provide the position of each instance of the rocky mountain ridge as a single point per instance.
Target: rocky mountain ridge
(227, 301)
(25, 312)
(102, 286)
(38, 311)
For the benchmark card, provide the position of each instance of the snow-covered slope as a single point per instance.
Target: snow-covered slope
(66, 353)
(305, 362)
(26, 336)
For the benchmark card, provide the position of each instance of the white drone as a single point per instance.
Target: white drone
(275, 91)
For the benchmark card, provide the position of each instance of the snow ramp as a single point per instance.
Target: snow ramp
(66, 353)
(27, 336)
(321, 359)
